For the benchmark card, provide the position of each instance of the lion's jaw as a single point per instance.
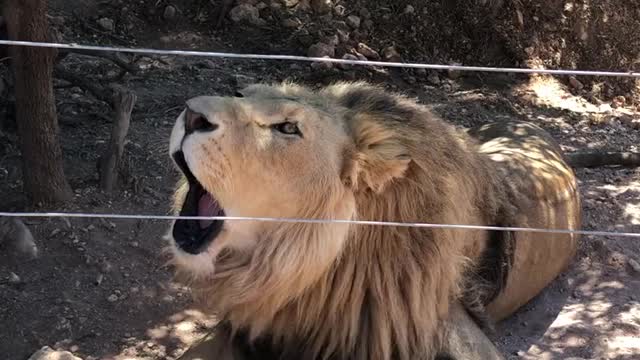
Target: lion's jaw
(251, 170)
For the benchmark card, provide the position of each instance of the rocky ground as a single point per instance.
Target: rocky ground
(100, 288)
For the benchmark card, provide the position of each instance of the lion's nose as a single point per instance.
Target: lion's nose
(194, 121)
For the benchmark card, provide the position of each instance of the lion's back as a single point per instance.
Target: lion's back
(545, 194)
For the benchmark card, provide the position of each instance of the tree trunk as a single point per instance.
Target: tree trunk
(42, 162)
(110, 161)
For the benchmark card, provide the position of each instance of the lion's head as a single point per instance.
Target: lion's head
(348, 151)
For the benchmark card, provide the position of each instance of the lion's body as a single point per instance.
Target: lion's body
(376, 292)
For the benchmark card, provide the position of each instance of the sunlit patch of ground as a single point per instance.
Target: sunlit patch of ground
(168, 340)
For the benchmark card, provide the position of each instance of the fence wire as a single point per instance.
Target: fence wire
(231, 55)
(316, 221)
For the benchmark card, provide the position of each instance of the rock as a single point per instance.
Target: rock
(242, 81)
(368, 52)
(47, 353)
(420, 72)
(634, 265)
(339, 10)
(321, 6)
(169, 13)
(343, 36)
(291, 3)
(246, 13)
(17, 236)
(112, 298)
(261, 6)
(321, 50)
(347, 57)
(56, 20)
(291, 23)
(365, 13)
(391, 54)
(360, 56)
(433, 78)
(106, 24)
(321, 66)
(333, 40)
(14, 278)
(575, 83)
(618, 101)
(353, 21)
(409, 10)
(341, 25)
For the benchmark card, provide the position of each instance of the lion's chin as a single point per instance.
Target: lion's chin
(196, 266)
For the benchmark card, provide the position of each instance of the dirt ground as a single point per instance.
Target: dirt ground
(101, 288)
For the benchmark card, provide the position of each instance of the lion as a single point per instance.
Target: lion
(337, 290)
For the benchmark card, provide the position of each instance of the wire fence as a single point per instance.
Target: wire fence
(231, 55)
(317, 221)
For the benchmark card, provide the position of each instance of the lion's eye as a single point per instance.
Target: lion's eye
(288, 128)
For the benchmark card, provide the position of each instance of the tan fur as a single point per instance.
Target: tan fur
(351, 292)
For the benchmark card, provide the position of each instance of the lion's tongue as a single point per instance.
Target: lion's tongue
(207, 206)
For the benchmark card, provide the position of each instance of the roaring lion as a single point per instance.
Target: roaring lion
(292, 290)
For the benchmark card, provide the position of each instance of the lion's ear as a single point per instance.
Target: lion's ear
(378, 158)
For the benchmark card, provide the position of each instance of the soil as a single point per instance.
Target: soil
(101, 288)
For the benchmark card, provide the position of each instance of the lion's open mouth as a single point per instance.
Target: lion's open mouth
(194, 236)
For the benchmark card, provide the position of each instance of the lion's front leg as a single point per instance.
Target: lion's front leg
(217, 345)
(463, 339)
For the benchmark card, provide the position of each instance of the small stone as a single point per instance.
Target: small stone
(321, 65)
(409, 10)
(106, 24)
(521, 353)
(47, 353)
(57, 20)
(321, 6)
(353, 21)
(321, 50)
(635, 124)
(339, 10)
(365, 13)
(433, 78)
(391, 54)
(575, 83)
(634, 265)
(343, 36)
(368, 52)
(99, 279)
(618, 101)
(169, 13)
(246, 13)
(291, 3)
(112, 298)
(291, 23)
(367, 24)
(360, 56)
(261, 6)
(14, 278)
(333, 40)
(17, 237)
(421, 72)
(242, 81)
(347, 57)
